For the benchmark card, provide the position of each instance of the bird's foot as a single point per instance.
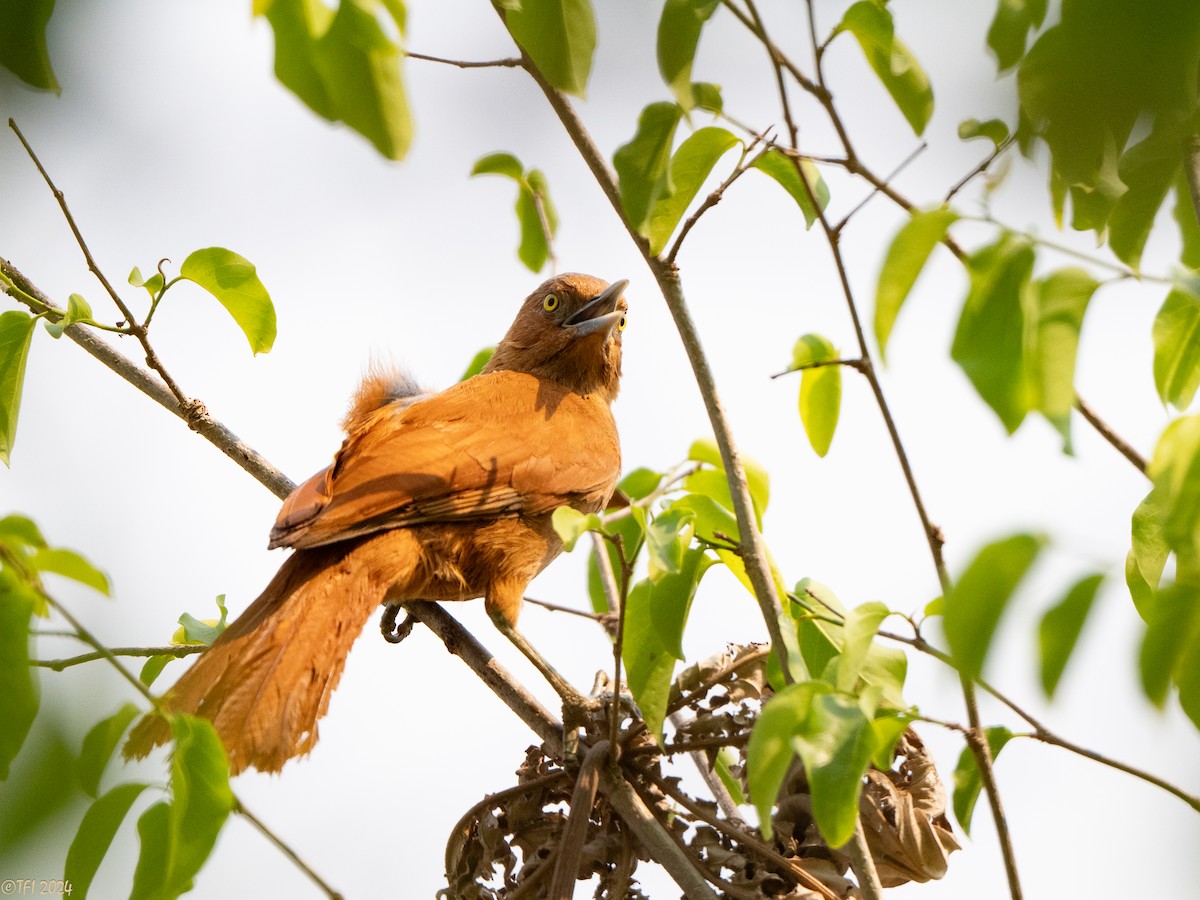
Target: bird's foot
(393, 633)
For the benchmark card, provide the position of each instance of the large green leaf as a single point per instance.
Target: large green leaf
(1010, 28)
(70, 564)
(905, 259)
(152, 875)
(560, 38)
(1055, 317)
(95, 836)
(820, 390)
(233, 280)
(344, 66)
(1172, 632)
(770, 752)
(758, 481)
(667, 535)
(783, 169)
(16, 333)
(858, 633)
(1187, 217)
(870, 22)
(690, 165)
(201, 799)
(642, 164)
(836, 743)
(18, 698)
(1147, 168)
(23, 42)
(974, 605)
(678, 34)
(989, 343)
(1060, 627)
(1149, 551)
(632, 539)
(1175, 470)
(967, 781)
(1177, 349)
(98, 747)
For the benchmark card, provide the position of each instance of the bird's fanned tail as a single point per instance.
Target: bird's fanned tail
(267, 679)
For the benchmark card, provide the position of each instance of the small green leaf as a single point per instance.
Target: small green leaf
(344, 66)
(858, 633)
(1149, 551)
(995, 130)
(478, 361)
(233, 280)
(871, 23)
(499, 164)
(671, 599)
(201, 631)
(783, 169)
(640, 483)
(1177, 349)
(1148, 168)
(967, 782)
(690, 165)
(820, 390)
(98, 746)
(905, 259)
(153, 668)
(23, 42)
(836, 743)
(726, 758)
(151, 877)
(679, 30)
(1010, 27)
(536, 233)
(990, 339)
(666, 540)
(707, 96)
(1175, 470)
(769, 753)
(632, 538)
(1060, 627)
(1053, 322)
(570, 525)
(712, 520)
(1185, 216)
(153, 284)
(21, 531)
(95, 835)
(1173, 626)
(560, 38)
(887, 730)
(976, 602)
(642, 164)
(70, 564)
(18, 699)
(78, 310)
(16, 333)
(705, 450)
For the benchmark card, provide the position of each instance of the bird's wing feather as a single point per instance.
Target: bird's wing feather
(461, 454)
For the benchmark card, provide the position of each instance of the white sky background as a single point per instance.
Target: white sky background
(172, 134)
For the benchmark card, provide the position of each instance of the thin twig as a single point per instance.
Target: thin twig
(175, 650)
(555, 607)
(891, 176)
(862, 861)
(669, 481)
(510, 63)
(855, 363)
(136, 329)
(574, 833)
(714, 198)
(240, 808)
(621, 596)
(983, 166)
(1122, 447)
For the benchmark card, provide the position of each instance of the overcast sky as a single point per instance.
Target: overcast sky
(172, 135)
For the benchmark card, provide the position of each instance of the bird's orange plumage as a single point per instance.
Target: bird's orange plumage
(443, 496)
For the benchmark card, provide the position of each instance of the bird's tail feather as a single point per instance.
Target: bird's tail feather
(267, 679)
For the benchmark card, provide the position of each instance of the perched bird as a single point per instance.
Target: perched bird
(445, 496)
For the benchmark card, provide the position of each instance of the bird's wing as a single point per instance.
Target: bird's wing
(503, 443)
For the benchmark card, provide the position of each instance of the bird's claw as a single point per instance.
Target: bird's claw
(393, 633)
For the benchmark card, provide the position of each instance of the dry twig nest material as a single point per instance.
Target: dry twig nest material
(508, 845)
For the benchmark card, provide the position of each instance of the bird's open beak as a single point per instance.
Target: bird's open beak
(599, 314)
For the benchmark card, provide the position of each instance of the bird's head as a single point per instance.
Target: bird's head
(568, 331)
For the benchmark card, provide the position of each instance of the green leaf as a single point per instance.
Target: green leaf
(726, 758)
(887, 730)
(23, 42)
(820, 390)
(1060, 627)
(769, 752)
(871, 23)
(990, 338)
(95, 835)
(1010, 27)
(836, 743)
(560, 38)
(98, 747)
(478, 361)
(70, 564)
(1177, 349)
(16, 333)
(666, 538)
(1187, 679)
(858, 633)
(655, 616)
(201, 798)
(976, 602)
(21, 531)
(707, 96)
(1173, 627)
(344, 67)
(1147, 168)
(642, 164)
(153, 284)
(1185, 215)
(783, 169)
(1175, 470)
(640, 483)
(712, 520)
(1149, 551)
(534, 249)
(18, 699)
(153, 668)
(905, 259)
(678, 34)
(233, 280)
(705, 450)
(151, 877)
(570, 525)
(77, 310)
(1057, 306)
(201, 631)
(499, 164)
(632, 537)
(690, 165)
(995, 130)
(967, 782)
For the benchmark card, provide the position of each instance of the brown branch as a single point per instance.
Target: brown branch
(983, 166)
(176, 650)
(862, 861)
(240, 809)
(510, 63)
(1122, 447)
(713, 199)
(856, 363)
(574, 835)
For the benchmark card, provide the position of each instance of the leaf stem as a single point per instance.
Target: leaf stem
(175, 650)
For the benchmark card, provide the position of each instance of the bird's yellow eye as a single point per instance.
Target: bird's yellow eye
(621, 324)
(551, 303)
